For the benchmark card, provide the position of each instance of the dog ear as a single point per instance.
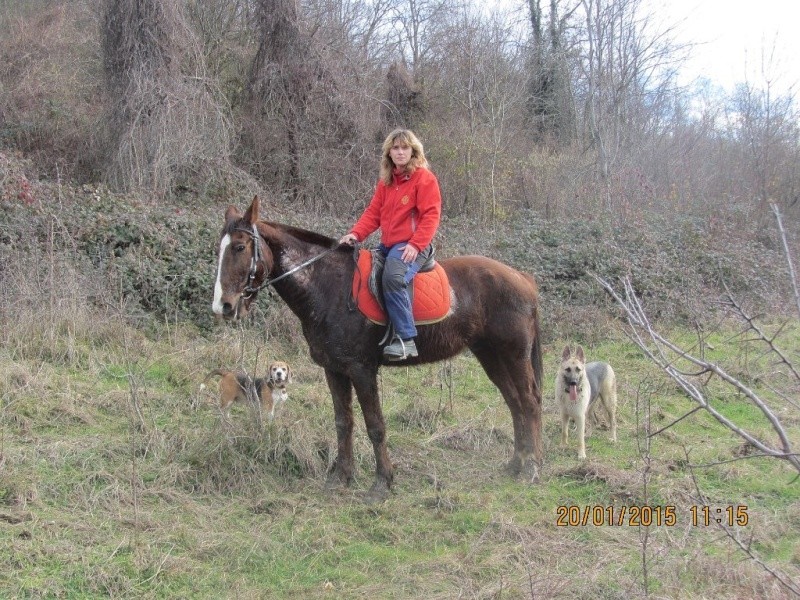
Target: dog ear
(566, 353)
(579, 354)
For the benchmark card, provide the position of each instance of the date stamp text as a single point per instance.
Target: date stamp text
(645, 516)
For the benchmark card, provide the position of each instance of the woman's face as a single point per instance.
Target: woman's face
(400, 153)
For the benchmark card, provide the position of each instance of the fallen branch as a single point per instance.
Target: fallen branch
(667, 355)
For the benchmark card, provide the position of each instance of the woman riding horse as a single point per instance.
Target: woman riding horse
(406, 207)
(494, 314)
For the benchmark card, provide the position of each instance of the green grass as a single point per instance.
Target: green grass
(96, 503)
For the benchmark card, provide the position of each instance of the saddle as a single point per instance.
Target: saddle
(430, 290)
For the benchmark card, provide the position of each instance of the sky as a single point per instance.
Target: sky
(732, 36)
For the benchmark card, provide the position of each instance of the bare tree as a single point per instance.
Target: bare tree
(418, 22)
(164, 116)
(625, 61)
(353, 30)
(477, 106)
(294, 98)
(224, 30)
(764, 121)
(550, 101)
(403, 102)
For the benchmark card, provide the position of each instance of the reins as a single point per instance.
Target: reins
(256, 258)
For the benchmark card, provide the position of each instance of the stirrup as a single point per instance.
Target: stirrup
(400, 350)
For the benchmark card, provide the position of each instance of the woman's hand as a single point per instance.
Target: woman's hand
(349, 239)
(409, 254)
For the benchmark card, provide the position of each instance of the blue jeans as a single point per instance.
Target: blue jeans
(397, 275)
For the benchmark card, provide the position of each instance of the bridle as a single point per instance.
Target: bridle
(256, 258)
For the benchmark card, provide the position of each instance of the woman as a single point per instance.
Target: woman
(406, 207)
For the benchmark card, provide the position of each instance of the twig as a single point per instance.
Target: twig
(738, 458)
(676, 421)
(160, 567)
(792, 275)
(786, 582)
(761, 336)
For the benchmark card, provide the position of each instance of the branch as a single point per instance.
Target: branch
(665, 354)
(792, 275)
(785, 581)
(769, 340)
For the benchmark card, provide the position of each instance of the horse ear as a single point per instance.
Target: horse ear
(565, 354)
(232, 214)
(579, 354)
(251, 215)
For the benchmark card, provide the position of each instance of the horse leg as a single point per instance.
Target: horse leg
(341, 473)
(514, 377)
(367, 393)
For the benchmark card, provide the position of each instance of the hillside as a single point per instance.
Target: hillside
(564, 147)
(161, 254)
(118, 478)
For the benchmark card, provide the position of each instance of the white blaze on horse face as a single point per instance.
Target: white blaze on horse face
(216, 306)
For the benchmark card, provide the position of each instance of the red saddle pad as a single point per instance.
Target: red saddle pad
(431, 293)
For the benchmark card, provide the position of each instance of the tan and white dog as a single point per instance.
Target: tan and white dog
(235, 386)
(280, 376)
(578, 385)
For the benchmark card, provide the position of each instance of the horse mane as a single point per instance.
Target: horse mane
(304, 235)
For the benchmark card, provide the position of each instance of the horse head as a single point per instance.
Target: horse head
(244, 262)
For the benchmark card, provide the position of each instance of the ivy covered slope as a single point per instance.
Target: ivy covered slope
(161, 255)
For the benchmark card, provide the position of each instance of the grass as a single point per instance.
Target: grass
(98, 501)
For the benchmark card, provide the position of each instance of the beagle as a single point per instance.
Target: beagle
(279, 377)
(235, 386)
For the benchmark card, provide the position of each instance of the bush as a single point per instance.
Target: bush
(161, 258)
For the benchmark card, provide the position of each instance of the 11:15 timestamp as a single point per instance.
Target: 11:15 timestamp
(703, 516)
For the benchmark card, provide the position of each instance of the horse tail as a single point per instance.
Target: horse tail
(536, 354)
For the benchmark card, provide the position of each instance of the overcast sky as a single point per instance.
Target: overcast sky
(733, 35)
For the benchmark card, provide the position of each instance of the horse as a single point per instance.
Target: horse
(494, 314)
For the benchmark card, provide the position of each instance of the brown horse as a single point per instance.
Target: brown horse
(495, 315)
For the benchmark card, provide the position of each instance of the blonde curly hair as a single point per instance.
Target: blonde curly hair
(405, 136)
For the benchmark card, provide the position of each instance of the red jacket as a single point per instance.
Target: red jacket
(407, 211)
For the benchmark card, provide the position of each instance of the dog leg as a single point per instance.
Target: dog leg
(267, 404)
(580, 422)
(272, 402)
(225, 407)
(225, 414)
(611, 408)
(564, 429)
(608, 396)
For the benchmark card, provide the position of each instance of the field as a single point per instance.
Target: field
(564, 145)
(120, 479)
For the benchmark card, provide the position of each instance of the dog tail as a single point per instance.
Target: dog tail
(219, 372)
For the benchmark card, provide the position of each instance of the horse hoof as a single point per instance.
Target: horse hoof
(531, 472)
(514, 467)
(379, 492)
(337, 481)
